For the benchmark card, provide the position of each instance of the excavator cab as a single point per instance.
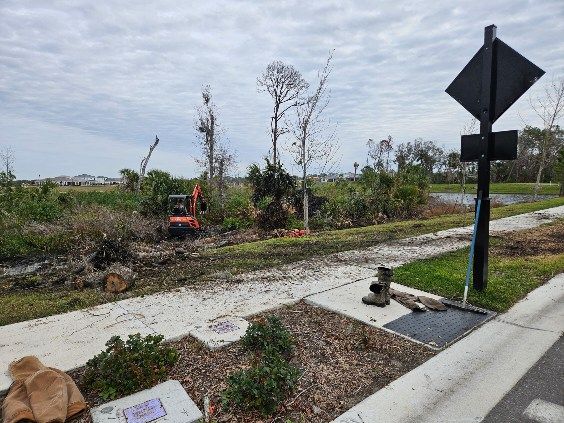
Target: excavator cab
(182, 210)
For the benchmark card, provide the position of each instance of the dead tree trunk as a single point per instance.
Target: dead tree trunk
(118, 279)
(144, 162)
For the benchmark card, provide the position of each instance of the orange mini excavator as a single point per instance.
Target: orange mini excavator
(182, 219)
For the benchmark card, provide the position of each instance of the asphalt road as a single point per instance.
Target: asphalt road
(538, 397)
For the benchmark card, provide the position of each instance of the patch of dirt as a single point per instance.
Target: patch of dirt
(544, 240)
(342, 362)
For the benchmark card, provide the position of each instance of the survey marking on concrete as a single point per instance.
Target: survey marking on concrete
(220, 332)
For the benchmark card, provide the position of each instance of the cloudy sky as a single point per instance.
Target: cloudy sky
(85, 85)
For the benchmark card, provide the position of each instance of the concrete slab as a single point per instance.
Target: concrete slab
(65, 341)
(175, 314)
(465, 381)
(220, 332)
(166, 402)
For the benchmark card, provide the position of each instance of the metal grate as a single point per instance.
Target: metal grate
(438, 328)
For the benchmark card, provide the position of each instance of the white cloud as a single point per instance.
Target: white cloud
(108, 75)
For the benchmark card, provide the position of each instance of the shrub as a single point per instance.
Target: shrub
(16, 241)
(115, 199)
(238, 204)
(234, 223)
(262, 387)
(270, 334)
(273, 189)
(271, 377)
(127, 367)
(156, 188)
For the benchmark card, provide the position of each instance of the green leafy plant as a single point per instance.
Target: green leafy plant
(127, 367)
(262, 387)
(269, 335)
(273, 188)
(271, 378)
(234, 223)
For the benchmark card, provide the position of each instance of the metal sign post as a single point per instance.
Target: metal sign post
(487, 86)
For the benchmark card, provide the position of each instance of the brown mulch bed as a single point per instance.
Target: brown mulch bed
(544, 240)
(342, 362)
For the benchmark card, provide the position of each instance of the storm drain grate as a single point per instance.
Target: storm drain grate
(438, 328)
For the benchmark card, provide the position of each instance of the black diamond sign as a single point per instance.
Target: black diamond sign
(514, 75)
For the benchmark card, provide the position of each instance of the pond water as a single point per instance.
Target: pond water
(468, 199)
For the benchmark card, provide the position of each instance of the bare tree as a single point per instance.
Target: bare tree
(224, 161)
(284, 84)
(380, 150)
(7, 159)
(386, 145)
(375, 153)
(144, 163)
(315, 138)
(206, 126)
(549, 109)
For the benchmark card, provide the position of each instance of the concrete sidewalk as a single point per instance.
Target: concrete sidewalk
(68, 340)
(464, 382)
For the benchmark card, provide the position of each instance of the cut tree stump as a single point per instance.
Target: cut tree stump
(118, 279)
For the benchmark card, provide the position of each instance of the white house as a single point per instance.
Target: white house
(84, 179)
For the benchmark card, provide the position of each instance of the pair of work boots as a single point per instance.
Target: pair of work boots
(380, 290)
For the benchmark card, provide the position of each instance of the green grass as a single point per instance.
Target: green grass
(25, 305)
(17, 307)
(510, 279)
(500, 188)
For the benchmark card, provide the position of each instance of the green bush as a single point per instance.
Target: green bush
(113, 199)
(17, 242)
(262, 387)
(377, 196)
(156, 188)
(270, 334)
(238, 203)
(235, 223)
(273, 189)
(271, 378)
(127, 367)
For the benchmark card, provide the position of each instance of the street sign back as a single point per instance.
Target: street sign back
(513, 76)
(489, 84)
(503, 147)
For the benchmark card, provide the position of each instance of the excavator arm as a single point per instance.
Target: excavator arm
(197, 196)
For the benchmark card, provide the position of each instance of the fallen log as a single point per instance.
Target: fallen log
(118, 279)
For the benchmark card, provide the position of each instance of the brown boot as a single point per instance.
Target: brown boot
(385, 275)
(374, 299)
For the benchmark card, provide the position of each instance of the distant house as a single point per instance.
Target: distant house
(84, 179)
(79, 180)
(331, 177)
(63, 181)
(114, 181)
